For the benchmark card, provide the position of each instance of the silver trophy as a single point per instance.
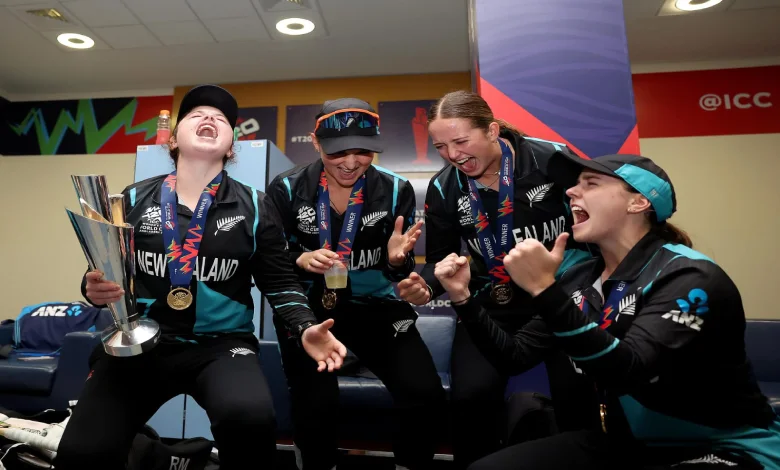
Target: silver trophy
(107, 242)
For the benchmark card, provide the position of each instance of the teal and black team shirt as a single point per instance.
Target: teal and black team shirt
(539, 211)
(386, 197)
(242, 241)
(664, 346)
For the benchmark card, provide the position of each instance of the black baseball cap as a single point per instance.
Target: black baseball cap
(210, 95)
(348, 123)
(639, 172)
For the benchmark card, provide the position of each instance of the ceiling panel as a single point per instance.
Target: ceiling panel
(212, 9)
(101, 12)
(753, 4)
(182, 32)
(237, 29)
(40, 23)
(18, 2)
(127, 37)
(160, 11)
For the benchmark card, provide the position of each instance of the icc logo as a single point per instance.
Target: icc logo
(711, 101)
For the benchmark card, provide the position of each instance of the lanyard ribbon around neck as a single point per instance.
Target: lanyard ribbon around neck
(181, 257)
(351, 216)
(493, 251)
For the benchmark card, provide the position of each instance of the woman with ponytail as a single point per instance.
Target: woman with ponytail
(654, 328)
(493, 193)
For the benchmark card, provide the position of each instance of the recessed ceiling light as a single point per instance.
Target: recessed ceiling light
(693, 5)
(76, 41)
(295, 26)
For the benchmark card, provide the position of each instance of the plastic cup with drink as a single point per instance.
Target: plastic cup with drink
(336, 275)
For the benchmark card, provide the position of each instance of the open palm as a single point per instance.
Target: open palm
(320, 344)
(400, 243)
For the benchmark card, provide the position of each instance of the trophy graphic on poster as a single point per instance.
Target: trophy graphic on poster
(107, 242)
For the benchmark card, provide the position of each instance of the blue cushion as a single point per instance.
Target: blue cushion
(772, 391)
(363, 392)
(761, 346)
(438, 331)
(35, 377)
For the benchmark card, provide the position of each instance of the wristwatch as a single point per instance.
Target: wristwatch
(303, 327)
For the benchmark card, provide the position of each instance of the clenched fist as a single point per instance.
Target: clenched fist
(454, 274)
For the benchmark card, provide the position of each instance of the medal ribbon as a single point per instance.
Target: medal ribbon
(182, 257)
(611, 306)
(351, 216)
(487, 241)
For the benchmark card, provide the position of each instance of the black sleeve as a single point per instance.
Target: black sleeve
(279, 195)
(406, 207)
(272, 270)
(442, 236)
(128, 207)
(678, 305)
(510, 354)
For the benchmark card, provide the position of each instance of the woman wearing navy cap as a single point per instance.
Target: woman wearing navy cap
(194, 277)
(371, 211)
(656, 328)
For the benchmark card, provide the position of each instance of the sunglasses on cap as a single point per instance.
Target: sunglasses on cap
(350, 118)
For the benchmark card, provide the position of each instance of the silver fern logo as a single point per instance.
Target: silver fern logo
(710, 459)
(241, 352)
(626, 306)
(402, 326)
(371, 219)
(577, 297)
(224, 225)
(538, 193)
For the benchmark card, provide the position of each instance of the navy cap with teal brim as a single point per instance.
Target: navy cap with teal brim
(639, 172)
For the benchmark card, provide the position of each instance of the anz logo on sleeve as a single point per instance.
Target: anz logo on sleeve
(57, 311)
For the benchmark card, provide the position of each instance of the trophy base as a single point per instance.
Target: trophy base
(139, 340)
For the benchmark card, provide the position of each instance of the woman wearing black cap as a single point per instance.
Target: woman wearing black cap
(371, 211)
(656, 328)
(194, 278)
(495, 183)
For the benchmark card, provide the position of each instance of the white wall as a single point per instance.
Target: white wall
(40, 257)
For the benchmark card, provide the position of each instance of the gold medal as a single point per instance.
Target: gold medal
(329, 299)
(501, 294)
(179, 298)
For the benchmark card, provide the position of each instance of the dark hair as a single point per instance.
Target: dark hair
(468, 105)
(174, 151)
(666, 230)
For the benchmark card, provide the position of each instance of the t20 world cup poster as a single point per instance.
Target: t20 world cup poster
(404, 129)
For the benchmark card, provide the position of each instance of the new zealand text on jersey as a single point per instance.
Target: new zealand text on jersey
(206, 269)
(547, 232)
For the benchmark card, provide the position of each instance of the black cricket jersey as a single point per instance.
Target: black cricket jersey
(539, 209)
(661, 343)
(242, 241)
(386, 197)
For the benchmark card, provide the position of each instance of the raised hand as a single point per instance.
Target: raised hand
(317, 261)
(414, 290)
(320, 344)
(532, 267)
(454, 274)
(402, 243)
